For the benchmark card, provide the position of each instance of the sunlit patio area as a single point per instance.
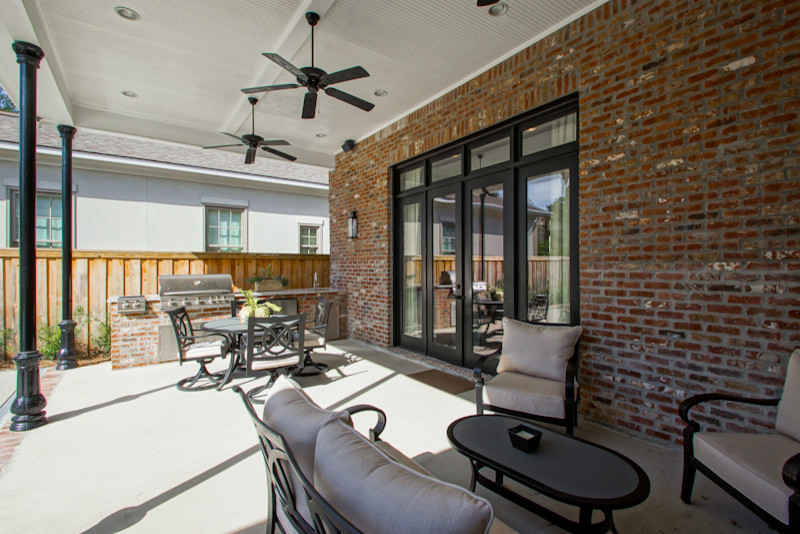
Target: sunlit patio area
(126, 451)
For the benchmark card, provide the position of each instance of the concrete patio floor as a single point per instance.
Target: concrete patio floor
(126, 451)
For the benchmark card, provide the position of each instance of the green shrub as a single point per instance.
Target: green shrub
(49, 341)
(101, 342)
(7, 341)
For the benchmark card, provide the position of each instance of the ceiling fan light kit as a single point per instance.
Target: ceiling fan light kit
(315, 79)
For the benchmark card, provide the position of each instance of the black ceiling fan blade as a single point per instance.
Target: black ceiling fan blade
(274, 142)
(235, 137)
(278, 153)
(350, 99)
(483, 3)
(263, 88)
(286, 65)
(250, 156)
(222, 146)
(310, 105)
(353, 73)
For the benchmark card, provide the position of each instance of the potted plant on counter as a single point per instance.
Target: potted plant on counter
(265, 281)
(253, 308)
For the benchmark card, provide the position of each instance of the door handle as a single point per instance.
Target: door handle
(458, 297)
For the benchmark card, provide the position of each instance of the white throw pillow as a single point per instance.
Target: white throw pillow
(537, 350)
(788, 420)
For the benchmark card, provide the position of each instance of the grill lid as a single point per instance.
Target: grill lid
(194, 285)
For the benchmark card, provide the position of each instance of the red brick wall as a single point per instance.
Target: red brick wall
(689, 198)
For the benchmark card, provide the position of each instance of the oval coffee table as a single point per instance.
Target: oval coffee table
(564, 468)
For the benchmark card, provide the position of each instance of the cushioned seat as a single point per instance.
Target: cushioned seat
(524, 393)
(537, 375)
(200, 348)
(751, 462)
(206, 349)
(399, 505)
(761, 470)
(377, 494)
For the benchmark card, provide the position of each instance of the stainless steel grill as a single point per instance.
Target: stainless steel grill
(194, 291)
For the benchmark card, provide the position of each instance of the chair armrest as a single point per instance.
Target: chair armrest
(691, 402)
(480, 366)
(374, 432)
(569, 383)
(791, 472)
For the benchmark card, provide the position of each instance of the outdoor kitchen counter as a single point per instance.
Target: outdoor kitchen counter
(144, 336)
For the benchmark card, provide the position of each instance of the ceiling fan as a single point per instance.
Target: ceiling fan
(315, 79)
(253, 141)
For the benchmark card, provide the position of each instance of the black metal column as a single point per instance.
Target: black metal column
(67, 356)
(29, 403)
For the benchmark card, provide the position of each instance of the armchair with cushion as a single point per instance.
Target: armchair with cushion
(762, 471)
(537, 375)
(274, 344)
(202, 348)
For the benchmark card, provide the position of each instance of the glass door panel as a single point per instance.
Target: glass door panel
(548, 246)
(411, 305)
(487, 272)
(446, 292)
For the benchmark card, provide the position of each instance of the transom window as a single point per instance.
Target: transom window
(48, 220)
(224, 229)
(309, 239)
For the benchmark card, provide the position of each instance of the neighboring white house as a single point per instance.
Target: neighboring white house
(140, 195)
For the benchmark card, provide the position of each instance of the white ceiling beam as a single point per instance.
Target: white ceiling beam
(289, 42)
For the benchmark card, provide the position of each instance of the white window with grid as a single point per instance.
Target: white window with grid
(48, 220)
(309, 239)
(224, 230)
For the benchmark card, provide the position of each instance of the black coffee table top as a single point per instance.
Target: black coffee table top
(569, 469)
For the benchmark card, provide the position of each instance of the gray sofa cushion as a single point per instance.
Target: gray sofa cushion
(377, 494)
(537, 350)
(788, 420)
(290, 412)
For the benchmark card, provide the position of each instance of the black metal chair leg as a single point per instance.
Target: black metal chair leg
(687, 484)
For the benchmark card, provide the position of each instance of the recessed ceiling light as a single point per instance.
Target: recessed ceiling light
(322, 134)
(130, 94)
(381, 92)
(499, 9)
(126, 13)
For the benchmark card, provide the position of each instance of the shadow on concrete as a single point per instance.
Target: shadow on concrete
(57, 417)
(127, 517)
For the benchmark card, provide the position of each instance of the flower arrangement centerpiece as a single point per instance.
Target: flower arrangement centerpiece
(252, 307)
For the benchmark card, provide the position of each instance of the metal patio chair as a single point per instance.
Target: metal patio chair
(275, 345)
(200, 348)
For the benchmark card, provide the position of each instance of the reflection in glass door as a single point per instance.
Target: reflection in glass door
(548, 246)
(446, 294)
(411, 299)
(488, 291)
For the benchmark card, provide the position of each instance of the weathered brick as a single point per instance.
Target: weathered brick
(688, 174)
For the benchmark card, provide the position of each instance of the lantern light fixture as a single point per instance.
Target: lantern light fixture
(352, 225)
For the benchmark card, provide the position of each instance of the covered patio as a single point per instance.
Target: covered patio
(126, 451)
(671, 137)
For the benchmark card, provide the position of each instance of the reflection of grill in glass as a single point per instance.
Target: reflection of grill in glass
(195, 291)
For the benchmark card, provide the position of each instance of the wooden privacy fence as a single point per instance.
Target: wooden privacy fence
(98, 276)
(543, 271)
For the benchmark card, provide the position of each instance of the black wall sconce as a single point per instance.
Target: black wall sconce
(349, 145)
(352, 225)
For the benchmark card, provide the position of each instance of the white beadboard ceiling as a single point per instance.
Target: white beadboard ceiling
(187, 61)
